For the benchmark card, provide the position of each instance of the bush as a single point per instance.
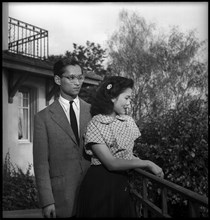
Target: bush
(19, 190)
(178, 142)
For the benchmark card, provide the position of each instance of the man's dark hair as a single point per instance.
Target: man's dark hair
(59, 66)
(110, 88)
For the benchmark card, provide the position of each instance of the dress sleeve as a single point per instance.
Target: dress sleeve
(93, 135)
(135, 129)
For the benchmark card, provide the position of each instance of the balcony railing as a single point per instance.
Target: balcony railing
(147, 208)
(27, 40)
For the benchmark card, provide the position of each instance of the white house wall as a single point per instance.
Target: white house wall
(4, 113)
(20, 152)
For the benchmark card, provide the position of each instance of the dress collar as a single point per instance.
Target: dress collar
(105, 119)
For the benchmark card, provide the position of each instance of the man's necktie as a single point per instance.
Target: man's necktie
(74, 121)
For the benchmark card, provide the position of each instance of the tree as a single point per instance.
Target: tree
(91, 57)
(166, 70)
(182, 75)
(128, 50)
(170, 99)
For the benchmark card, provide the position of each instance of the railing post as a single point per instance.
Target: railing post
(195, 200)
(193, 209)
(145, 210)
(164, 201)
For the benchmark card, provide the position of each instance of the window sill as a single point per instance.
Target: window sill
(24, 142)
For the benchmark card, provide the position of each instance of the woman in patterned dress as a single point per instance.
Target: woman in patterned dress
(109, 140)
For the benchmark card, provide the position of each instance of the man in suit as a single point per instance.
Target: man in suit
(59, 159)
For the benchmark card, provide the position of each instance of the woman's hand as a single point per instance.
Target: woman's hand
(154, 168)
(49, 211)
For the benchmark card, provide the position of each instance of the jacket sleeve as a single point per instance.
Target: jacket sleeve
(41, 163)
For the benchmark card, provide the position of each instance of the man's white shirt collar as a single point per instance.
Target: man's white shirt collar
(65, 102)
(66, 106)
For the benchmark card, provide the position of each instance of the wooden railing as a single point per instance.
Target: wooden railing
(146, 207)
(149, 209)
(26, 213)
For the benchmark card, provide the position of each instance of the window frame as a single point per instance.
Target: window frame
(32, 105)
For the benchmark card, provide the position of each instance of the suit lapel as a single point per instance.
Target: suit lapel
(59, 116)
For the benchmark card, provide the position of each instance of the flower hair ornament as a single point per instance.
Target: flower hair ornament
(109, 86)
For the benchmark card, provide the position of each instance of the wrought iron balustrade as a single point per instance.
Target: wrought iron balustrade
(196, 205)
(27, 39)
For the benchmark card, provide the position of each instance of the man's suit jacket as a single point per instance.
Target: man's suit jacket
(59, 163)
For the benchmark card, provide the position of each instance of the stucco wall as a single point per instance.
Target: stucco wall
(20, 152)
(4, 113)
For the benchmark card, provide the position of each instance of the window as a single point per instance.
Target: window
(24, 115)
(27, 108)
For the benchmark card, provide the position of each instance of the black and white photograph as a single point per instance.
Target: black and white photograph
(105, 109)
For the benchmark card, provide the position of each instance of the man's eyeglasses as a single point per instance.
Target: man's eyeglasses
(72, 78)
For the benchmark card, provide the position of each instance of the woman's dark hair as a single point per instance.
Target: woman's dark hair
(59, 66)
(110, 88)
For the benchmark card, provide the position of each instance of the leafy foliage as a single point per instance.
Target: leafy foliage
(178, 142)
(166, 69)
(86, 93)
(91, 57)
(19, 190)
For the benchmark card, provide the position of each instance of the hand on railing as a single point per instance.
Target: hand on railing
(161, 174)
(155, 169)
(49, 211)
